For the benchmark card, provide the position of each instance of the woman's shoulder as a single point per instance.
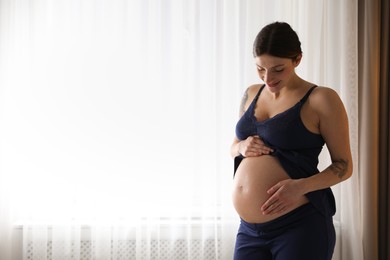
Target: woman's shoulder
(324, 90)
(252, 90)
(325, 98)
(322, 93)
(248, 97)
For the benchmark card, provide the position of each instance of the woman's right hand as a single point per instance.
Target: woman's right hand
(253, 146)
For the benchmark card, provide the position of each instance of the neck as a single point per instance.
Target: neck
(294, 83)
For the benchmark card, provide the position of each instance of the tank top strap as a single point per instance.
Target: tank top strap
(254, 101)
(258, 93)
(303, 100)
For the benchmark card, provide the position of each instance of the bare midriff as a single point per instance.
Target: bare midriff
(253, 178)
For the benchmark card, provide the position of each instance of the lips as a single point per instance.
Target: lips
(273, 85)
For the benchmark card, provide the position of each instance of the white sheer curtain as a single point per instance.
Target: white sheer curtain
(116, 119)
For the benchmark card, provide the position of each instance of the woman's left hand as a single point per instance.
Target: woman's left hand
(284, 195)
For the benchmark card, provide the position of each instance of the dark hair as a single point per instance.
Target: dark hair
(277, 39)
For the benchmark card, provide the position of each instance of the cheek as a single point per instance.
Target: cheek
(285, 74)
(261, 75)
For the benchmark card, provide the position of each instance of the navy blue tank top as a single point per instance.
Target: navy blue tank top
(294, 145)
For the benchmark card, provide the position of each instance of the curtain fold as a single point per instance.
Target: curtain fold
(116, 119)
(370, 116)
(384, 135)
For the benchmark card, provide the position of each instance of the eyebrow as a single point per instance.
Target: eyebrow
(271, 67)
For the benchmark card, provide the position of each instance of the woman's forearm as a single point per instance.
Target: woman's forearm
(338, 171)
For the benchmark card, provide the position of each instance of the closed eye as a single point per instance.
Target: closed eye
(274, 69)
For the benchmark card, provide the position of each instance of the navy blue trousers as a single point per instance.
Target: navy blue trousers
(302, 234)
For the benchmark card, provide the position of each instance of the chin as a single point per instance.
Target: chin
(273, 89)
(276, 87)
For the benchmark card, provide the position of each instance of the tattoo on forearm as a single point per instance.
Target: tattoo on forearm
(243, 101)
(339, 168)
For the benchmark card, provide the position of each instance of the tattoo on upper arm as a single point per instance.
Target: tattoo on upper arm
(339, 168)
(243, 101)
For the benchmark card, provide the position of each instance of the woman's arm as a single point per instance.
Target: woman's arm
(335, 131)
(333, 126)
(253, 145)
(235, 147)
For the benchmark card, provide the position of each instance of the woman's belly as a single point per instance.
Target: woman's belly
(253, 178)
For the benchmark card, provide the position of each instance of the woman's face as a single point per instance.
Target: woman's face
(276, 72)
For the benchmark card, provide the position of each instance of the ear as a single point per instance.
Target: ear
(297, 60)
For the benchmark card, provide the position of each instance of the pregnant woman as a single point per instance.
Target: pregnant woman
(284, 202)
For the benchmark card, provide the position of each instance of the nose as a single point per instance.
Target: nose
(267, 77)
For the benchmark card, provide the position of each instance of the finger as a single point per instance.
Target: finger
(265, 150)
(273, 208)
(278, 210)
(263, 147)
(266, 205)
(254, 139)
(258, 150)
(254, 147)
(277, 206)
(274, 188)
(251, 154)
(258, 141)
